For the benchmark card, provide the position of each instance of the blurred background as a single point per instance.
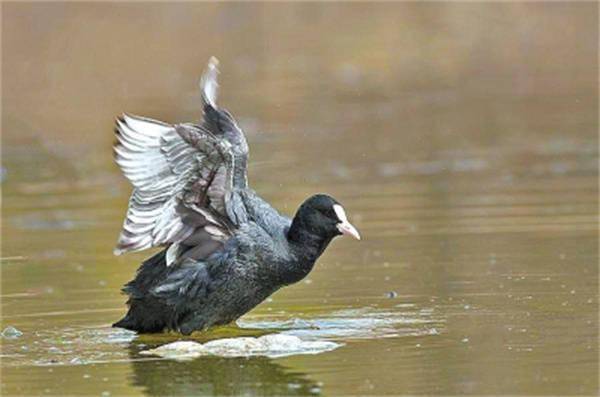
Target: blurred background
(461, 138)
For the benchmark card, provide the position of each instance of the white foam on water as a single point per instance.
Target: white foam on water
(284, 337)
(354, 324)
(275, 345)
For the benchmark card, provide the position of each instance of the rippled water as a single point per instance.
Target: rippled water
(468, 161)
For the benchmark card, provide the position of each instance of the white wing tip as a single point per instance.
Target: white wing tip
(208, 82)
(213, 62)
(172, 253)
(125, 116)
(129, 118)
(118, 252)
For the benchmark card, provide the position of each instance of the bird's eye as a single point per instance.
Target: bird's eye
(328, 212)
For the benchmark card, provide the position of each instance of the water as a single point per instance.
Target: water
(468, 161)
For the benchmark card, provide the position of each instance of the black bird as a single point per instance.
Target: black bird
(226, 249)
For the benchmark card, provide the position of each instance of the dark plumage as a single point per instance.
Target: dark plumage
(226, 249)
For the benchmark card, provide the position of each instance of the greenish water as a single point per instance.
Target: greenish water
(468, 160)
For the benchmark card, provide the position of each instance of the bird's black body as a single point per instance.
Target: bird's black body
(227, 249)
(262, 257)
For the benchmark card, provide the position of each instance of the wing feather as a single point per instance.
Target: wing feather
(181, 175)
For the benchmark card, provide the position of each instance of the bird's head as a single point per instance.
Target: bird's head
(323, 217)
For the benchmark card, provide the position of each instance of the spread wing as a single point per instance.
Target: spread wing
(183, 177)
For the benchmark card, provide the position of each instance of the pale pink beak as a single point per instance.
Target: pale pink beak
(345, 227)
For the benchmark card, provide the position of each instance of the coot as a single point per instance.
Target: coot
(225, 248)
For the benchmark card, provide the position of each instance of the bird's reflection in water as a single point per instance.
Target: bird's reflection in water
(210, 375)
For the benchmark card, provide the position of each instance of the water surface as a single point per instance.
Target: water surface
(461, 139)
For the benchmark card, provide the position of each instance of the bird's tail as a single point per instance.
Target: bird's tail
(146, 313)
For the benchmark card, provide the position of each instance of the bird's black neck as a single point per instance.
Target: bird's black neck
(305, 247)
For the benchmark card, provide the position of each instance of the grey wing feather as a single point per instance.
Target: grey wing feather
(221, 122)
(182, 171)
(190, 279)
(183, 176)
